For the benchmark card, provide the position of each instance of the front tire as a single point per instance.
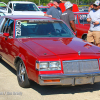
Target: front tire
(22, 75)
(85, 38)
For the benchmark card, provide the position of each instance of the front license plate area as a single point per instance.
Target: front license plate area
(83, 80)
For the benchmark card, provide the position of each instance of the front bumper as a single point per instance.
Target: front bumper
(70, 79)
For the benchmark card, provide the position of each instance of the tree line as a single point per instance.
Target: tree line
(44, 2)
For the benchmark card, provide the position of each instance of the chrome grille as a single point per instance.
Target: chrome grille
(80, 66)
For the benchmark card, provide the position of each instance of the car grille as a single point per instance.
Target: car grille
(80, 66)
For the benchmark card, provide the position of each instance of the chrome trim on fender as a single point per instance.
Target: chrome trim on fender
(71, 79)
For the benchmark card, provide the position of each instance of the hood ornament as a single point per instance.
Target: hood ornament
(79, 53)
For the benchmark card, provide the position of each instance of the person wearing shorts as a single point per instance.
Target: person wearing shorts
(93, 18)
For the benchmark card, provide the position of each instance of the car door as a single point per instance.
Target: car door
(7, 42)
(83, 25)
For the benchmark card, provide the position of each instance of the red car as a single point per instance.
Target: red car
(43, 8)
(82, 26)
(46, 51)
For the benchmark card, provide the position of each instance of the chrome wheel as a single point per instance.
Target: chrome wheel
(21, 72)
(22, 75)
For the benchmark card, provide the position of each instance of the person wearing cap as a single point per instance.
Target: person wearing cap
(99, 4)
(93, 18)
(68, 16)
(90, 7)
(54, 11)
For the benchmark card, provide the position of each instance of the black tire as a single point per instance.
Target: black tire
(85, 38)
(22, 75)
(0, 58)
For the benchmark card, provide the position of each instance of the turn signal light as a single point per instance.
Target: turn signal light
(48, 81)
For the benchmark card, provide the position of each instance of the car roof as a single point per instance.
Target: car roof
(20, 2)
(21, 17)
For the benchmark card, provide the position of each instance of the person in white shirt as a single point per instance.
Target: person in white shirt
(93, 18)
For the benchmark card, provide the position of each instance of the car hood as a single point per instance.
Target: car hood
(40, 13)
(59, 46)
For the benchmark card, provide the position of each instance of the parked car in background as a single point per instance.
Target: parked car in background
(46, 51)
(82, 26)
(2, 14)
(2, 5)
(43, 8)
(83, 9)
(21, 8)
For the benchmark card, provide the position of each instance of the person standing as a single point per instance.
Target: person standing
(90, 7)
(68, 16)
(93, 18)
(54, 11)
(99, 4)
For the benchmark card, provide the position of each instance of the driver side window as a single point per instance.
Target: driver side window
(8, 27)
(4, 27)
(76, 21)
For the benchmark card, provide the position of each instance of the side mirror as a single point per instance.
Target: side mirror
(6, 34)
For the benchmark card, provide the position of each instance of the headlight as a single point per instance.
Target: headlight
(46, 66)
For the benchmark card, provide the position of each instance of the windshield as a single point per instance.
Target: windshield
(25, 7)
(42, 28)
(83, 19)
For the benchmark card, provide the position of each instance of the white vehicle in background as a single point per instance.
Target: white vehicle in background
(21, 8)
(2, 14)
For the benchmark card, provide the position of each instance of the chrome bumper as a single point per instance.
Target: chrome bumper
(71, 79)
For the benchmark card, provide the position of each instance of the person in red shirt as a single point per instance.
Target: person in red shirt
(75, 8)
(62, 7)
